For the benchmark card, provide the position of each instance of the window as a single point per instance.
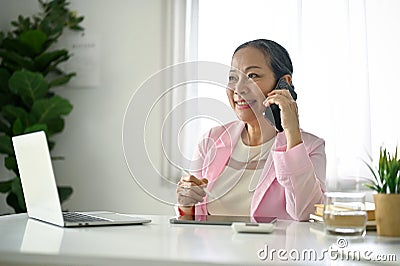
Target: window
(345, 57)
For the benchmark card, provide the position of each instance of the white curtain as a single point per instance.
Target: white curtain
(345, 55)
(180, 45)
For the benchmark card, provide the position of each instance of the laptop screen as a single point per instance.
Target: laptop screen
(37, 177)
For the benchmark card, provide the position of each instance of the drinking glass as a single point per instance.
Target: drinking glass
(345, 213)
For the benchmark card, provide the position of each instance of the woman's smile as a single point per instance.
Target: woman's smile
(243, 104)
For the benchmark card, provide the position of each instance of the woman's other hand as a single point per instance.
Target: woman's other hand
(289, 115)
(190, 191)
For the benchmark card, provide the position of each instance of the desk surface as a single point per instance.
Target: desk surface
(26, 241)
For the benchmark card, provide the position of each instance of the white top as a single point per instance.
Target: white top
(234, 188)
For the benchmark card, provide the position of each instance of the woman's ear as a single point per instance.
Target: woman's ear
(288, 78)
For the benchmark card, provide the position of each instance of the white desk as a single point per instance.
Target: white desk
(25, 241)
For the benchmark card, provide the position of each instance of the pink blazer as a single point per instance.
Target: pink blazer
(291, 181)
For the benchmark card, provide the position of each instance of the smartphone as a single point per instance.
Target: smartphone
(273, 113)
(260, 228)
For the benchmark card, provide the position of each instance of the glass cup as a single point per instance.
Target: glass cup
(345, 213)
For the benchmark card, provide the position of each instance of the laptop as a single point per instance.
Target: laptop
(40, 189)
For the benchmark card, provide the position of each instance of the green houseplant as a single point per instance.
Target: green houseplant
(387, 199)
(29, 71)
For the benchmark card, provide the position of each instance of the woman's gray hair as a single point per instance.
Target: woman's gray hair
(276, 55)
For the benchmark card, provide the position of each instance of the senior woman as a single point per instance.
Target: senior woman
(248, 165)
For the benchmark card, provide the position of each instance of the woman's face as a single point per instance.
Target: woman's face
(250, 80)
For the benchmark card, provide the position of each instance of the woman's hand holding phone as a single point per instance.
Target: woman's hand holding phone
(288, 115)
(289, 112)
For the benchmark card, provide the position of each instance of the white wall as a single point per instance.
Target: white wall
(130, 37)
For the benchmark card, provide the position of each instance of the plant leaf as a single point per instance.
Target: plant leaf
(61, 80)
(373, 187)
(44, 60)
(34, 39)
(4, 76)
(384, 188)
(29, 85)
(11, 163)
(15, 46)
(12, 113)
(377, 181)
(4, 128)
(6, 98)
(18, 118)
(6, 145)
(382, 168)
(1, 37)
(53, 67)
(5, 186)
(35, 128)
(16, 188)
(18, 127)
(15, 59)
(55, 126)
(64, 193)
(13, 201)
(48, 109)
(52, 144)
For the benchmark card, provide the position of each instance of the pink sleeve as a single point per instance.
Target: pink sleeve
(197, 168)
(302, 172)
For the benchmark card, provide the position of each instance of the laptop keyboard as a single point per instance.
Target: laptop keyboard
(79, 217)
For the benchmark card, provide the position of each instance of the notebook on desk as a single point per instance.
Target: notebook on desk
(40, 189)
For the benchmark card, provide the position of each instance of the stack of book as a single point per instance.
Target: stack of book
(317, 216)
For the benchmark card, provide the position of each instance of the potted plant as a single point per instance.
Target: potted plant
(387, 199)
(29, 72)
